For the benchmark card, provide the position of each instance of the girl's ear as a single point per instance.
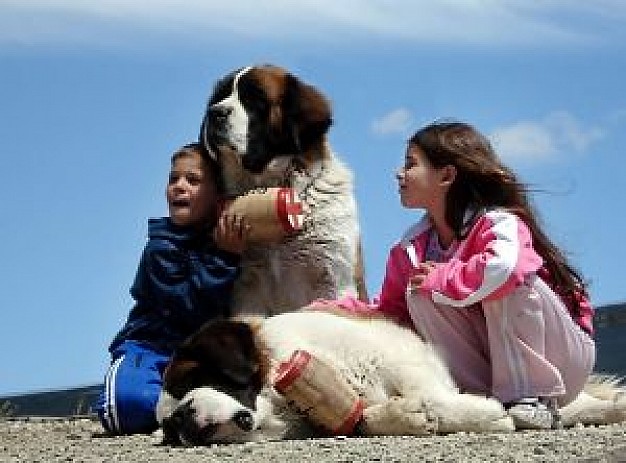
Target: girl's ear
(448, 174)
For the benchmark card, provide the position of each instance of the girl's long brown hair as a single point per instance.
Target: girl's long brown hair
(483, 182)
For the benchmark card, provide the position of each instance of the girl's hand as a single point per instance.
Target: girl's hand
(231, 233)
(420, 272)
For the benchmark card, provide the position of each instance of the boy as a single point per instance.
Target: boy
(184, 278)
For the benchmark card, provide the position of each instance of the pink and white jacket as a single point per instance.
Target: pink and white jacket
(495, 257)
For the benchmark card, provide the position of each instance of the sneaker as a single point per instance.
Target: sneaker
(534, 413)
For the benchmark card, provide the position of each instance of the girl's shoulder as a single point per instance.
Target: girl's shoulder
(415, 231)
(489, 218)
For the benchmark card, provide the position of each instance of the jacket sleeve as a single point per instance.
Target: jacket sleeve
(391, 302)
(186, 281)
(494, 259)
(392, 298)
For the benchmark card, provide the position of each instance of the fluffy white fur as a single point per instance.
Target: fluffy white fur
(318, 262)
(405, 385)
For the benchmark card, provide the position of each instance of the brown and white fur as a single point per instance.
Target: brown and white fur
(218, 386)
(268, 128)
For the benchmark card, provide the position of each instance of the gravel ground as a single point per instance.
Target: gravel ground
(81, 439)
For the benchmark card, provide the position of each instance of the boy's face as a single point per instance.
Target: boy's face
(191, 191)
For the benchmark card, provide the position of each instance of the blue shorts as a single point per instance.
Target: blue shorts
(132, 384)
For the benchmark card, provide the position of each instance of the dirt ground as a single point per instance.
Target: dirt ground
(81, 440)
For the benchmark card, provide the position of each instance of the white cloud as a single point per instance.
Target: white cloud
(557, 134)
(479, 22)
(397, 121)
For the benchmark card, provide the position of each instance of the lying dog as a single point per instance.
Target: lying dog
(268, 128)
(218, 386)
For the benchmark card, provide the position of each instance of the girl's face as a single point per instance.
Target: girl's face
(191, 191)
(420, 184)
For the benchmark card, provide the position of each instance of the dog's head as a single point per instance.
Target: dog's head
(211, 386)
(263, 112)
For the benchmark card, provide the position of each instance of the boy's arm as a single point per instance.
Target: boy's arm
(183, 280)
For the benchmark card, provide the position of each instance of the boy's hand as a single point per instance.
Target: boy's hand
(420, 272)
(231, 233)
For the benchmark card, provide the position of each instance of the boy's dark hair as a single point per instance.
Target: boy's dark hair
(209, 160)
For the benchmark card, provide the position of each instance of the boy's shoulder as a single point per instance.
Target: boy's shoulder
(163, 227)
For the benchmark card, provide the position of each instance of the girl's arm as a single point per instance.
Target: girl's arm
(494, 259)
(391, 301)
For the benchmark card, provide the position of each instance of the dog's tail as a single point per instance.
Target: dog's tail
(602, 401)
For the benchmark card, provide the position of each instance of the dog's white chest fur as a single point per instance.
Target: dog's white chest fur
(317, 263)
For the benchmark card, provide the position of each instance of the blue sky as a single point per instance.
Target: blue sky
(96, 94)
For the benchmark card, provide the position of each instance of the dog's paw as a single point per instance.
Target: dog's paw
(469, 413)
(397, 417)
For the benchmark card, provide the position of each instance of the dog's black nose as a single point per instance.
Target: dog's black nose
(183, 414)
(244, 420)
(218, 115)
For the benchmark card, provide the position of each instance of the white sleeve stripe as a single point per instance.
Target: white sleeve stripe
(410, 250)
(110, 409)
(499, 267)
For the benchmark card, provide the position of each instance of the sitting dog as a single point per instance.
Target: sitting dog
(218, 386)
(267, 128)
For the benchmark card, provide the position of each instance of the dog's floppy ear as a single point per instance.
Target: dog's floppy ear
(228, 347)
(308, 113)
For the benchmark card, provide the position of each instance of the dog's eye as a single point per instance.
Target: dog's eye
(253, 97)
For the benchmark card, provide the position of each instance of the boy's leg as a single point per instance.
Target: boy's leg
(131, 389)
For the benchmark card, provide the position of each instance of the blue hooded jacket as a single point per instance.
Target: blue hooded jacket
(182, 281)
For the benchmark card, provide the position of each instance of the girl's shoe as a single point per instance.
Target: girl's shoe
(534, 413)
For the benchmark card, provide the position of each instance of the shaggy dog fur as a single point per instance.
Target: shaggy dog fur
(218, 387)
(268, 128)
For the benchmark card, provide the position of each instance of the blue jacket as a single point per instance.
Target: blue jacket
(182, 281)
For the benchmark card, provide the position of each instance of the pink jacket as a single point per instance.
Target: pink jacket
(494, 258)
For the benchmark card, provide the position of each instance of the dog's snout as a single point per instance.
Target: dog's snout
(244, 420)
(218, 115)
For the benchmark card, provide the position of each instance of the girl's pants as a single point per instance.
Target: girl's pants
(132, 384)
(523, 345)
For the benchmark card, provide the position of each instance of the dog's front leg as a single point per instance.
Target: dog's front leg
(397, 417)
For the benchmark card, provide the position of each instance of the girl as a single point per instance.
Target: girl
(478, 278)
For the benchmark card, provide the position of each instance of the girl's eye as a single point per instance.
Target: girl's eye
(194, 179)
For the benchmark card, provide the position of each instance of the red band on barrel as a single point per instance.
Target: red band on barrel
(289, 371)
(353, 418)
(286, 206)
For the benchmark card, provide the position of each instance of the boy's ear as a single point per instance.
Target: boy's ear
(448, 174)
